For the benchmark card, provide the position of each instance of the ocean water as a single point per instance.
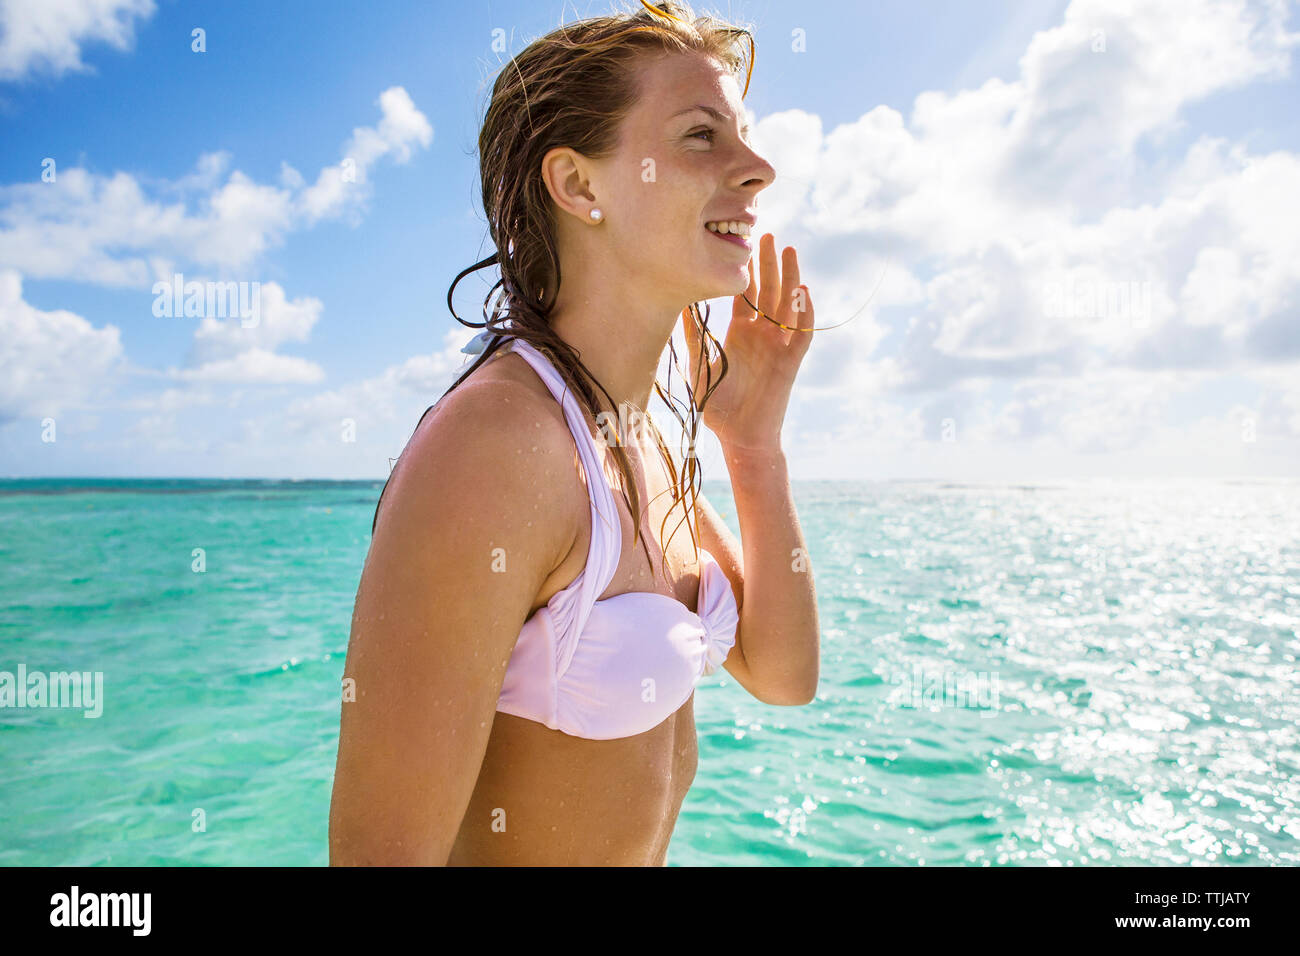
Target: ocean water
(1073, 674)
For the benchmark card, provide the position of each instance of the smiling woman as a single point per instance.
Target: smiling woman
(524, 682)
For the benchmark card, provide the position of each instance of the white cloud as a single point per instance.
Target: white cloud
(255, 367)
(401, 127)
(386, 405)
(49, 361)
(109, 230)
(226, 351)
(279, 321)
(1092, 288)
(1016, 192)
(48, 35)
(118, 230)
(354, 430)
(1116, 71)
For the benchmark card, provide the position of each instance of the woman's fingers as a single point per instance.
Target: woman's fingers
(769, 295)
(789, 276)
(789, 281)
(803, 313)
(692, 336)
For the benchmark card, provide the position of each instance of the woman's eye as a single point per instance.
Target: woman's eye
(706, 132)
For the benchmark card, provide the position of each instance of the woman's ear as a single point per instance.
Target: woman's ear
(565, 172)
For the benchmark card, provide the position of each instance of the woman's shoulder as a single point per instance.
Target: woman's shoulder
(497, 428)
(488, 456)
(503, 392)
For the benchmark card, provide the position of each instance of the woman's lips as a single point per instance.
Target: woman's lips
(729, 237)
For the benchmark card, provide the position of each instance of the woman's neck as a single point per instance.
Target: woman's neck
(620, 347)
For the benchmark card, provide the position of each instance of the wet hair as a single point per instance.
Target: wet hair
(573, 87)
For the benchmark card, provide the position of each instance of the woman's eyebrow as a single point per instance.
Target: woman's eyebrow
(720, 117)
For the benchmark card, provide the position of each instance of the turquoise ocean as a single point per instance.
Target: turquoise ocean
(1083, 673)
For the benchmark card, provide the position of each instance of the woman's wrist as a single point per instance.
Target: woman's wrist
(742, 458)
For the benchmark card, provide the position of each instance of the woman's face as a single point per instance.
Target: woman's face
(676, 168)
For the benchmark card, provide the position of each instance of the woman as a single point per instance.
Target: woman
(523, 677)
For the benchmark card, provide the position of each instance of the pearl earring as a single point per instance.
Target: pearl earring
(596, 214)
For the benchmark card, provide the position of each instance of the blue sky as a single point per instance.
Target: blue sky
(985, 158)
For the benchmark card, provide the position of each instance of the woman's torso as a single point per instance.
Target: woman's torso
(545, 797)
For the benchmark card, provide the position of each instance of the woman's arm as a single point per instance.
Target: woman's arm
(458, 557)
(777, 653)
(777, 644)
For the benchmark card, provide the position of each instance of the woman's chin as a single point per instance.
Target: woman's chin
(733, 286)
